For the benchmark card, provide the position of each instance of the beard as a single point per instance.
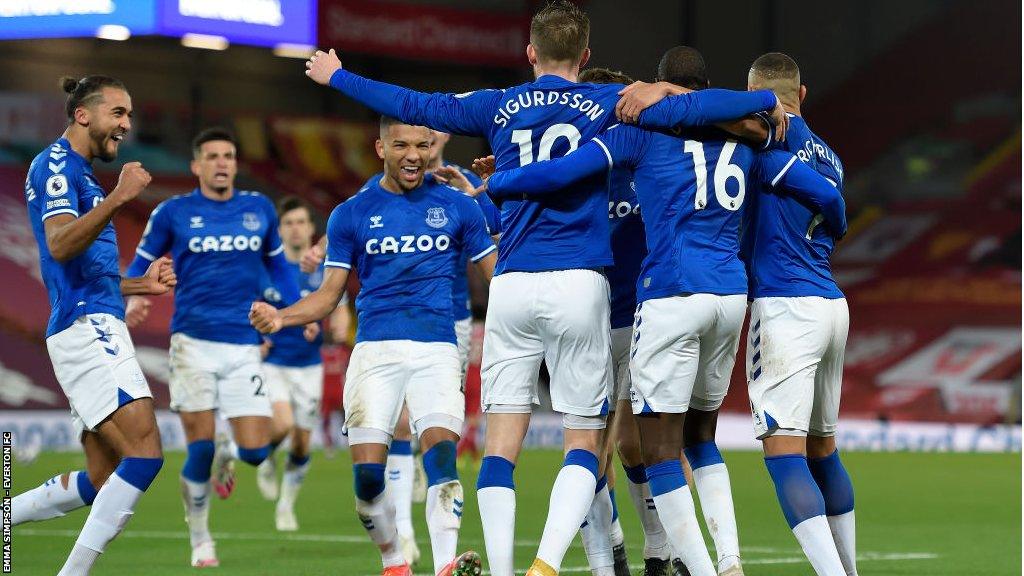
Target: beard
(99, 141)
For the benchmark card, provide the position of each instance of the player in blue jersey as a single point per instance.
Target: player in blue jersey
(797, 337)
(403, 232)
(691, 290)
(86, 337)
(401, 466)
(601, 533)
(293, 370)
(221, 239)
(549, 301)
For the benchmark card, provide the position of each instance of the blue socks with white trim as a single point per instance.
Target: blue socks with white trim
(53, 498)
(837, 491)
(804, 509)
(445, 502)
(496, 499)
(113, 507)
(714, 489)
(675, 507)
(571, 497)
(377, 511)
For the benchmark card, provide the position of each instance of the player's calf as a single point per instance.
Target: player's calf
(377, 511)
(802, 503)
(837, 491)
(445, 499)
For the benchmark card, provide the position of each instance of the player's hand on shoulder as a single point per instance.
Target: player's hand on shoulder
(312, 259)
(780, 119)
(136, 311)
(454, 177)
(132, 181)
(484, 167)
(311, 331)
(640, 96)
(322, 65)
(264, 318)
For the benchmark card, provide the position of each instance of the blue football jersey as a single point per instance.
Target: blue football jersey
(460, 285)
(537, 121)
(786, 244)
(290, 347)
(61, 182)
(219, 250)
(404, 248)
(628, 246)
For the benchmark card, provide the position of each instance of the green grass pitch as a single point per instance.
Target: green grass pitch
(917, 514)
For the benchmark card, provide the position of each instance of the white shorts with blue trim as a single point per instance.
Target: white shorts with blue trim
(300, 386)
(559, 317)
(207, 375)
(383, 375)
(684, 350)
(94, 361)
(795, 351)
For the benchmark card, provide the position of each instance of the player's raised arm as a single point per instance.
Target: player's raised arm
(709, 106)
(68, 235)
(784, 172)
(467, 114)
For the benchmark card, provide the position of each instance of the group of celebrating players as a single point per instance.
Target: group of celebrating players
(634, 224)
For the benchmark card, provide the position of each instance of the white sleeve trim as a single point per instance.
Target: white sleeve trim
(145, 254)
(783, 171)
(60, 211)
(485, 252)
(607, 154)
(334, 264)
(279, 250)
(831, 181)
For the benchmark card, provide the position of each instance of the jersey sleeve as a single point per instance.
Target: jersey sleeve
(155, 242)
(272, 245)
(58, 185)
(783, 172)
(341, 238)
(469, 114)
(475, 238)
(704, 107)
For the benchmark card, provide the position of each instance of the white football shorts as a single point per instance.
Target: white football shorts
(560, 317)
(94, 361)
(382, 375)
(684, 350)
(795, 351)
(300, 386)
(207, 375)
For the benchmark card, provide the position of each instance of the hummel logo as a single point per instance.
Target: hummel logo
(376, 222)
(196, 222)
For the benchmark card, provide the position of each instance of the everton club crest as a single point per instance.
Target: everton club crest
(436, 217)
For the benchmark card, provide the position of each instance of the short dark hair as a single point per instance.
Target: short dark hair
(213, 134)
(289, 203)
(86, 92)
(776, 66)
(684, 66)
(604, 76)
(560, 32)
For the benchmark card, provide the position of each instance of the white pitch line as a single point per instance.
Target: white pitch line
(349, 539)
(864, 557)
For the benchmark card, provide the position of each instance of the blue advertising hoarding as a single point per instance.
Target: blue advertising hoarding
(257, 22)
(21, 19)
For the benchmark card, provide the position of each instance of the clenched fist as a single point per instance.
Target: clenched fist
(264, 318)
(132, 181)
